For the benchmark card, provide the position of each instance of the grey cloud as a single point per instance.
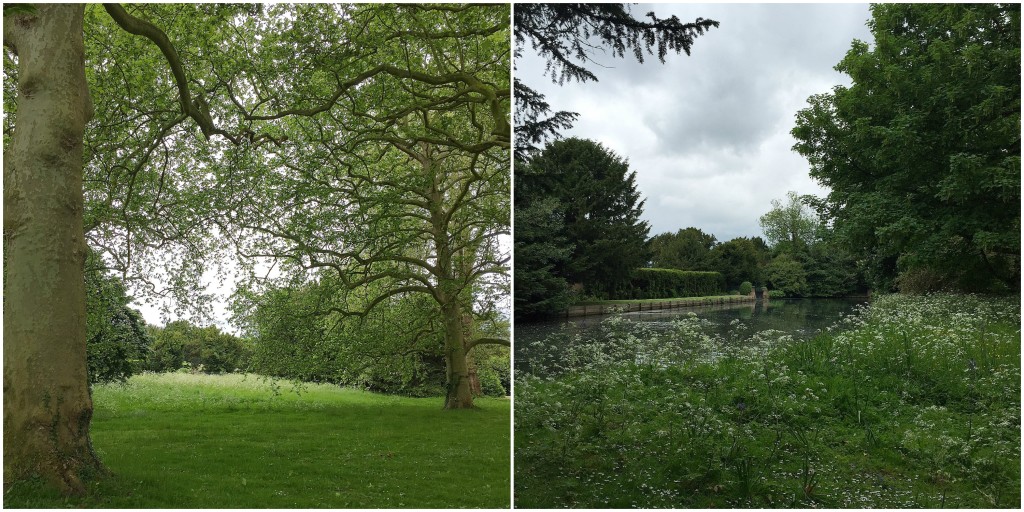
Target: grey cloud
(708, 134)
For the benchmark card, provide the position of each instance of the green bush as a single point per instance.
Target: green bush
(663, 283)
(490, 382)
(118, 350)
(181, 343)
(746, 287)
(494, 368)
(787, 274)
(116, 339)
(396, 350)
(165, 353)
(920, 280)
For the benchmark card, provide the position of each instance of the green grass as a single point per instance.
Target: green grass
(230, 441)
(913, 403)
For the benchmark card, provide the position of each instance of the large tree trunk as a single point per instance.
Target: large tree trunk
(460, 393)
(47, 407)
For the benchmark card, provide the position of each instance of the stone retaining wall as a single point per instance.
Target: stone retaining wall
(606, 309)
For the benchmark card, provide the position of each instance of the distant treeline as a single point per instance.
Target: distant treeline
(282, 340)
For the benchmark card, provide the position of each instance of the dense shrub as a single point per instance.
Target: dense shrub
(831, 271)
(117, 350)
(746, 287)
(205, 348)
(493, 369)
(116, 339)
(787, 274)
(490, 382)
(920, 280)
(416, 376)
(663, 283)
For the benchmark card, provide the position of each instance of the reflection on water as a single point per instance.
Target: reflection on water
(800, 318)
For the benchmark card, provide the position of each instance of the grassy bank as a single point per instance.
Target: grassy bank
(913, 403)
(235, 441)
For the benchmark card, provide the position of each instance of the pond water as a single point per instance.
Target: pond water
(799, 318)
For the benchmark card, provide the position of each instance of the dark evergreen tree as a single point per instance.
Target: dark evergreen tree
(540, 246)
(922, 152)
(599, 211)
(567, 35)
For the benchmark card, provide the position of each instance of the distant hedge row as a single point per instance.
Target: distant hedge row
(664, 283)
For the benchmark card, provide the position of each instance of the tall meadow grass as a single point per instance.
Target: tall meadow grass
(911, 402)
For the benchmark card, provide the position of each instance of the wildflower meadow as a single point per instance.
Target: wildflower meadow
(912, 401)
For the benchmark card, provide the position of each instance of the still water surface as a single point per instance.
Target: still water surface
(800, 318)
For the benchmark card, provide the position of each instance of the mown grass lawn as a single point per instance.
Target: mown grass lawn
(241, 441)
(913, 403)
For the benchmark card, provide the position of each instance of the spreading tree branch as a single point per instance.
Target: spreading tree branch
(487, 341)
(196, 109)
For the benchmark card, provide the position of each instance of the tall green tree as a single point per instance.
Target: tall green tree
(922, 153)
(807, 260)
(47, 407)
(793, 224)
(228, 82)
(599, 208)
(686, 249)
(568, 35)
(403, 188)
(741, 259)
(55, 203)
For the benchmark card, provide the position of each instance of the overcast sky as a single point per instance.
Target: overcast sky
(708, 134)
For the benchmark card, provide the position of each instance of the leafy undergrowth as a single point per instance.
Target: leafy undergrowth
(914, 402)
(241, 441)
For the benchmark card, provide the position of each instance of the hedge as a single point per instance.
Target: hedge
(664, 283)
